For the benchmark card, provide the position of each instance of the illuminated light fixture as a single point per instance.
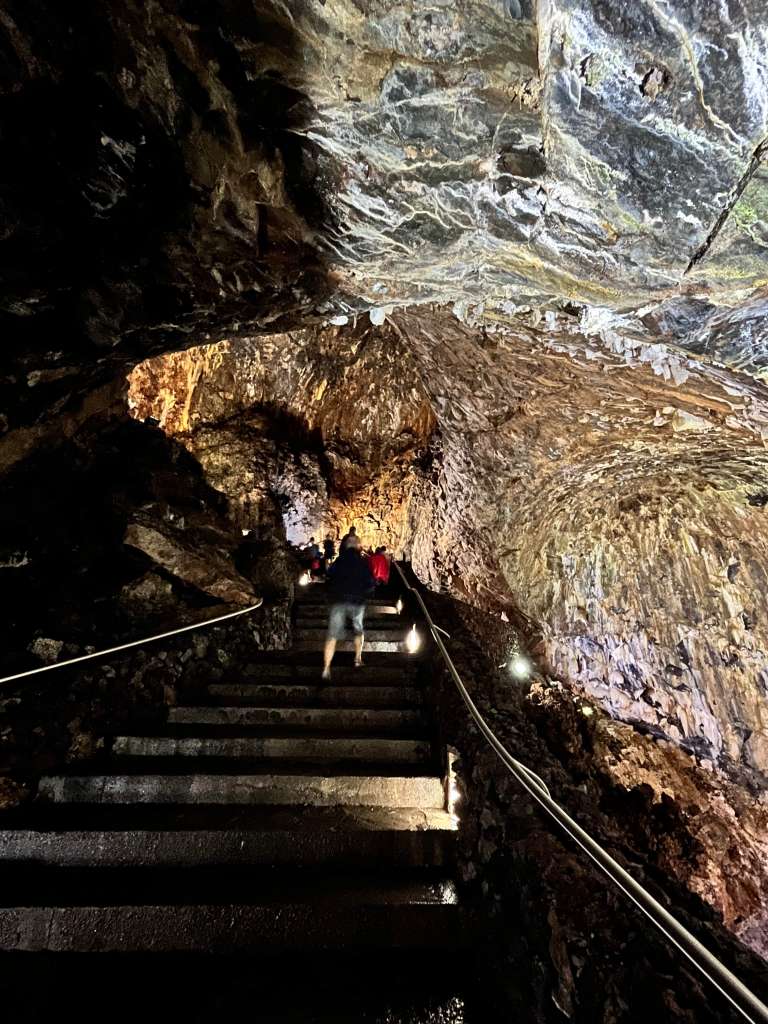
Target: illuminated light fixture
(413, 640)
(304, 579)
(520, 667)
(399, 605)
(587, 710)
(454, 796)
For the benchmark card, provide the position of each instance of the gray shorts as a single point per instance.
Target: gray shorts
(337, 619)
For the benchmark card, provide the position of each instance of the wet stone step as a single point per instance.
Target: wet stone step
(324, 695)
(311, 790)
(360, 718)
(147, 886)
(258, 748)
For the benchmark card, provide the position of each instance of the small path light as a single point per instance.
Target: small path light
(399, 605)
(413, 640)
(453, 794)
(519, 666)
(304, 579)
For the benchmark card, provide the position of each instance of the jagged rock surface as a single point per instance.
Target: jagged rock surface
(119, 520)
(174, 172)
(323, 427)
(565, 938)
(614, 494)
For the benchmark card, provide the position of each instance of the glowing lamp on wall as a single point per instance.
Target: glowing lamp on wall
(413, 640)
(519, 666)
(304, 579)
(399, 605)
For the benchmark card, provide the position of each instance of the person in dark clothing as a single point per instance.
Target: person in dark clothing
(346, 539)
(351, 583)
(312, 558)
(329, 549)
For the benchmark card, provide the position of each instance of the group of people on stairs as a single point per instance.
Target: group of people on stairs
(352, 579)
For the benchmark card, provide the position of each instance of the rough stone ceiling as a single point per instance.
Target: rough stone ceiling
(174, 172)
(493, 152)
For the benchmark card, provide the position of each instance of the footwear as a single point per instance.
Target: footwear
(326, 676)
(358, 664)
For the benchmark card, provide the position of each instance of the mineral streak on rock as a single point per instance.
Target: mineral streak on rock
(588, 150)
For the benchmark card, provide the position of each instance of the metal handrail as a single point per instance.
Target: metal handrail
(737, 994)
(133, 643)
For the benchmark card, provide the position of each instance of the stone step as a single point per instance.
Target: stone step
(315, 985)
(295, 748)
(293, 660)
(425, 791)
(136, 836)
(363, 719)
(372, 636)
(402, 672)
(246, 917)
(324, 695)
(320, 607)
(379, 646)
(378, 622)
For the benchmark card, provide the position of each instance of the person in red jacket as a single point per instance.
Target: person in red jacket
(379, 566)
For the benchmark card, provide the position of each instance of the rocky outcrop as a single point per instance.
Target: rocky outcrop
(208, 571)
(118, 519)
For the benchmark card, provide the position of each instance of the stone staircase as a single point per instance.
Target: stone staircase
(304, 816)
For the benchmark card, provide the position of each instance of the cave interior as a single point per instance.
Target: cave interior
(485, 279)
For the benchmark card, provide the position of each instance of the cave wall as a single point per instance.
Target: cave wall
(176, 172)
(561, 941)
(324, 428)
(611, 491)
(623, 513)
(153, 186)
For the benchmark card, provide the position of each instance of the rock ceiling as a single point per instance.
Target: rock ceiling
(174, 171)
